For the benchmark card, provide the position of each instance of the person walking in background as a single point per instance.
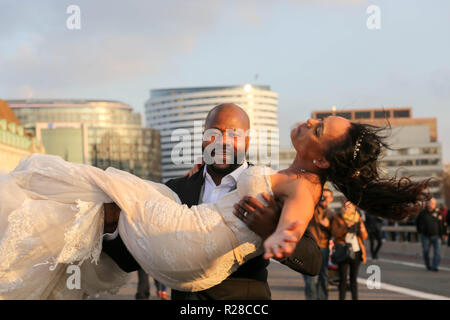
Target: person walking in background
(374, 226)
(316, 287)
(445, 218)
(161, 290)
(444, 212)
(431, 227)
(143, 288)
(347, 227)
(447, 221)
(384, 234)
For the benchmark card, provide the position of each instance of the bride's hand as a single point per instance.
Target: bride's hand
(282, 242)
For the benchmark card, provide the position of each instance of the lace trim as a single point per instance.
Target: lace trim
(19, 230)
(83, 239)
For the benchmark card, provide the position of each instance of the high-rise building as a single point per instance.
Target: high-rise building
(180, 112)
(101, 133)
(415, 152)
(14, 142)
(286, 157)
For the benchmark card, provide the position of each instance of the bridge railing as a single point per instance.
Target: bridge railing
(400, 233)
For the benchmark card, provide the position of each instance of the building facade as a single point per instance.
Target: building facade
(101, 133)
(415, 152)
(179, 114)
(286, 157)
(14, 142)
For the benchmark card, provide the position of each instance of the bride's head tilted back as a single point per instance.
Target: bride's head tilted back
(346, 154)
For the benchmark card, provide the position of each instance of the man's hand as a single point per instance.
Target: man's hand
(258, 218)
(112, 214)
(197, 165)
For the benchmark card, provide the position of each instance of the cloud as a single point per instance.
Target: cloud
(330, 2)
(117, 41)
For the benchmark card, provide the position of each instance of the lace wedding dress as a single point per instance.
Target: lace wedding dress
(51, 216)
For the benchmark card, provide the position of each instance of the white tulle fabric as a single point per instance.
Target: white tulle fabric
(51, 216)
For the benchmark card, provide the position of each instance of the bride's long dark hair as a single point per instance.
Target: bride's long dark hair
(356, 174)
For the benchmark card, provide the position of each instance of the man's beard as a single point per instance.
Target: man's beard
(225, 168)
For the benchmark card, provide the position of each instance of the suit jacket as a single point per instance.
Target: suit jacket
(306, 257)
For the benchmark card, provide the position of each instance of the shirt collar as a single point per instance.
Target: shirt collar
(234, 174)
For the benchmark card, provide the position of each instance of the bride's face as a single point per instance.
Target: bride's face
(312, 138)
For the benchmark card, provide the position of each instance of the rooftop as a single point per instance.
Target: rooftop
(400, 116)
(366, 113)
(7, 113)
(66, 103)
(168, 91)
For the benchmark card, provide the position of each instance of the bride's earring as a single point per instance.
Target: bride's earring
(315, 161)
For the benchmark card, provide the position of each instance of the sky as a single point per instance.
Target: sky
(314, 53)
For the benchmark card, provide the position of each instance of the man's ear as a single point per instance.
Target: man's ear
(322, 163)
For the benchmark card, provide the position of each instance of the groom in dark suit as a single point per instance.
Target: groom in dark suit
(208, 184)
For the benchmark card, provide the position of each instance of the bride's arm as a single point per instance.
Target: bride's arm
(300, 198)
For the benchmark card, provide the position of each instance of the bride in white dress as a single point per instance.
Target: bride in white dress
(51, 216)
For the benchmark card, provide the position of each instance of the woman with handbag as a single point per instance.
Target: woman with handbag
(348, 231)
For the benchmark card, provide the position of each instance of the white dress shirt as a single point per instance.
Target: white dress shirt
(212, 192)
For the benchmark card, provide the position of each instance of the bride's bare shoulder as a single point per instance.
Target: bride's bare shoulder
(285, 184)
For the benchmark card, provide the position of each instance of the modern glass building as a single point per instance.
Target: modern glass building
(97, 132)
(180, 112)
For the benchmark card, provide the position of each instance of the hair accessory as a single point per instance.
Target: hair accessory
(358, 145)
(356, 174)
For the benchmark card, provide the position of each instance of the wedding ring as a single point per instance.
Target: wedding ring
(245, 214)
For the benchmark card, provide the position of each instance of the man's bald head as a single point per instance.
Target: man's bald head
(228, 111)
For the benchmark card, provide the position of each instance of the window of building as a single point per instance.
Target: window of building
(405, 163)
(323, 115)
(382, 114)
(422, 162)
(362, 115)
(391, 152)
(430, 150)
(401, 114)
(436, 195)
(434, 183)
(346, 115)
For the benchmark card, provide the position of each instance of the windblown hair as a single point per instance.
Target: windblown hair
(358, 178)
